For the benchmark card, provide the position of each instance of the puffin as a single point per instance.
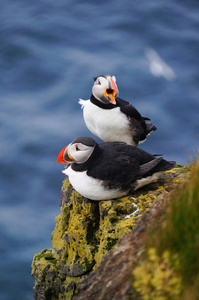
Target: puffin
(111, 118)
(109, 170)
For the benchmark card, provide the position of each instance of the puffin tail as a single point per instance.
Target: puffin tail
(166, 165)
(150, 127)
(156, 165)
(151, 171)
(148, 167)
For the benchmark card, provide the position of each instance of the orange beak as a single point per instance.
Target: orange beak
(64, 156)
(111, 91)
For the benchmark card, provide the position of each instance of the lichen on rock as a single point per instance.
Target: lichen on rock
(72, 236)
(87, 230)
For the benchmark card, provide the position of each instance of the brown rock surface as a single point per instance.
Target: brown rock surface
(112, 279)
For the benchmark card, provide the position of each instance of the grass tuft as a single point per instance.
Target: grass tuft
(179, 236)
(180, 231)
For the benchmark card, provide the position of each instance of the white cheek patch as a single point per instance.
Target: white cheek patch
(82, 154)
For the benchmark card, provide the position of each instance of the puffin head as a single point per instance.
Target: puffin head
(78, 151)
(105, 89)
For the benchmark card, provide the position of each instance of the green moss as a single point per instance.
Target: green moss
(41, 254)
(47, 256)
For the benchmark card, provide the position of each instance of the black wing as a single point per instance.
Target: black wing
(120, 164)
(128, 109)
(116, 173)
(139, 126)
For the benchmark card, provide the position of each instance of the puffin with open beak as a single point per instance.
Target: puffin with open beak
(112, 119)
(109, 170)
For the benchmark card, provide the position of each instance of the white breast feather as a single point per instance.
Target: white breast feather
(83, 102)
(89, 187)
(109, 125)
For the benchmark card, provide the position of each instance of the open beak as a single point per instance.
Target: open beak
(111, 91)
(65, 157)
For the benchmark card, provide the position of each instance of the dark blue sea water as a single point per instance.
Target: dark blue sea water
(49, 53)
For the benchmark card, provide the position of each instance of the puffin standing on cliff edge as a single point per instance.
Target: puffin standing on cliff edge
(111, 118)
(109, 170)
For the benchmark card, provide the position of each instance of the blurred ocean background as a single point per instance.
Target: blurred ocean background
(49, 53)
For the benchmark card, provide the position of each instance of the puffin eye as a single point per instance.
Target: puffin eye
(77, 148)
(98, 82)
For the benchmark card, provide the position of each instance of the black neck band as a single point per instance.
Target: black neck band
(100, 104)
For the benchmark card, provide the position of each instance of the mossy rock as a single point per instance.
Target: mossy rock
(87, 230)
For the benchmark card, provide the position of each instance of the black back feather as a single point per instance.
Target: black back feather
(119, 164)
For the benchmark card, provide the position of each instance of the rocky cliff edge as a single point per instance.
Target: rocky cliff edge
(96, 243)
